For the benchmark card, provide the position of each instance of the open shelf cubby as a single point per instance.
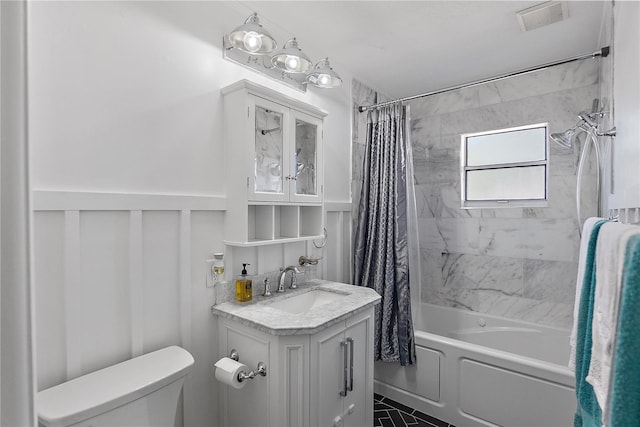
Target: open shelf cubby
(311, 223)
(268, 223)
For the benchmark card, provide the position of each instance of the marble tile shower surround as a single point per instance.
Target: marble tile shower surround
(513, 262)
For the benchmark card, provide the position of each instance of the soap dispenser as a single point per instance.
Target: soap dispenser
(244, 291)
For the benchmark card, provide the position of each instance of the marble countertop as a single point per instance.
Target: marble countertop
(259, 314)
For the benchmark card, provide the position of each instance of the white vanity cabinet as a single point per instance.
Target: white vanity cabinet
(273, 166)
(279, 399)
(341, 381)
(320, 379)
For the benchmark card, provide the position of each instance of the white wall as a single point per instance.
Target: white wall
(126, 132)
(621, 86)
(16, 338)
(626, 104)
(133, 88)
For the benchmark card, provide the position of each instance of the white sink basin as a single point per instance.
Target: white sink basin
(306, 301)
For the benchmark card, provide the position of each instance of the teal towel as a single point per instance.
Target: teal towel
(625, 382)
(588, 413)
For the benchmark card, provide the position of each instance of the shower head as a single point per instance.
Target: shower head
(586, 122)
(564, 139)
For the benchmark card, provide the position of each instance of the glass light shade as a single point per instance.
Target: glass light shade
(292, 63)
(252, 41)
(250, 37)
(291, 59)
(323, 75)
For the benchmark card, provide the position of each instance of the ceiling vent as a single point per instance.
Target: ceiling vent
(542, 14)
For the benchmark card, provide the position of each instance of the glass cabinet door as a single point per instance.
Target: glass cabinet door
(270, 152)
(306, 167)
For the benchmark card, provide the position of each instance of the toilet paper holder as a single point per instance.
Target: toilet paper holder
(243, 375)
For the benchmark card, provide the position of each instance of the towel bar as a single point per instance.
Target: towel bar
(625, 215)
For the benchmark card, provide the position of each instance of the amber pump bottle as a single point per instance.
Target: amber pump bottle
(244, 290)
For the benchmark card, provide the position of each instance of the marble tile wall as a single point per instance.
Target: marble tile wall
(513, 262)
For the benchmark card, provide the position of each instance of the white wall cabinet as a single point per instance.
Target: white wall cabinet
(322, 379)
(273, 166)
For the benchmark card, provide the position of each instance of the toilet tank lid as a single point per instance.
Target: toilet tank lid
(101, 391)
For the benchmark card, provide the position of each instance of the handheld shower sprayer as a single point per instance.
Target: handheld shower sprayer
(587, 122)
(589, 119)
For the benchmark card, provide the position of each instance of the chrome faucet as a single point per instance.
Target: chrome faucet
(283, 275)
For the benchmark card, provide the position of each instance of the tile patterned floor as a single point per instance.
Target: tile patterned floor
(389, 413)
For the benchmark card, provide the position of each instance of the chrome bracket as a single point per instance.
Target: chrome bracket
(261, 369)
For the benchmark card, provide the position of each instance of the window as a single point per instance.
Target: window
(505, 167)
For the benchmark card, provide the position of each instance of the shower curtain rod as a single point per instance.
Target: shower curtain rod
(603, 52)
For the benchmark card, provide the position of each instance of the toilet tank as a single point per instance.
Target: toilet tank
(143, 391)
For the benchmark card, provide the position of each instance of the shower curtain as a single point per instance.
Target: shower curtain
(381, 253)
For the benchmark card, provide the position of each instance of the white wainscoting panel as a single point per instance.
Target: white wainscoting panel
(112, 284)
(47, 200)
(100, 301)
(337, 265)
(161, 258)
(72, 292)
(50, 321)
(136, 289)
(185, 278)
(201, 389)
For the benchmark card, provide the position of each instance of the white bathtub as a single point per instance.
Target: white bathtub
(482, 370)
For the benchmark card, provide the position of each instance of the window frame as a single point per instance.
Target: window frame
(502, 203)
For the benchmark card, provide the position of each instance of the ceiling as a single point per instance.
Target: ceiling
(403, 48)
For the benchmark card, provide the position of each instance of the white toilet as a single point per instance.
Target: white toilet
(143, 391)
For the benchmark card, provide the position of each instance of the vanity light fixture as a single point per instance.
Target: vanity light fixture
(323, 75)
(291, 59)
(250, 45)
(251, 38)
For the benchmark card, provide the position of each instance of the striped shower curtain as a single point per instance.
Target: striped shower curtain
(381, 258)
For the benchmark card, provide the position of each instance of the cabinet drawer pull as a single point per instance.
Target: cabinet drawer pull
(345, 370)
(351, 351)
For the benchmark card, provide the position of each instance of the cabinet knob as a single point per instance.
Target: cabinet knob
(338, 422)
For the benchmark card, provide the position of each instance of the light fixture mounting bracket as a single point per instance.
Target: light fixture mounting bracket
(262, 64)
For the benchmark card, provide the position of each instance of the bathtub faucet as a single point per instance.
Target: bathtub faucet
(283, 275)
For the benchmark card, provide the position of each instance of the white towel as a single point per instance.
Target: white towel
(584, 245)
(610, 250)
